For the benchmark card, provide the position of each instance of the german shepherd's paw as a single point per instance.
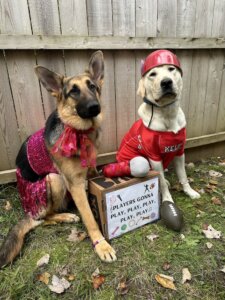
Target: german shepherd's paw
(71, 218)
(105, 252)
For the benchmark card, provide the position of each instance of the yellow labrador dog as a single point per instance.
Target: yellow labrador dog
(158, 137)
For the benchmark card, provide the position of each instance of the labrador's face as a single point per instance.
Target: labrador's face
(162, 85)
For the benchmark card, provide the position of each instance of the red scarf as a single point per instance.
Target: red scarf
(72, 140)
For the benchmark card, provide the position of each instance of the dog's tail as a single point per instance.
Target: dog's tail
(14, 240)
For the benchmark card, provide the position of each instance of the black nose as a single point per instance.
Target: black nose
(166, 83)
(88, 109)
(93, 109)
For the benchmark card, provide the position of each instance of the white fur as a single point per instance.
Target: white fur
(168, 118)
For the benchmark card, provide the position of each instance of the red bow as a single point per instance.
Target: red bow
(71, 140)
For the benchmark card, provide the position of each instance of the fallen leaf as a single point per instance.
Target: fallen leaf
(165, 281)
(71, 277)
(76, 236)
(43, 261)
(191, 165)
(213, 173)
(211, 233)
(209, 245)
(97, 281)
(176, 187)
(59, 285)
(223, 269)
(122, 287)
(166, 266)
(216, 201)
(95, 273)
(8, 206)
(44, 277)
(186, 275)
(205, 226)
(213, 182)
(182, 236)
(152, 237)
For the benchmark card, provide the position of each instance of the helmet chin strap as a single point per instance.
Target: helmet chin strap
(147, 101)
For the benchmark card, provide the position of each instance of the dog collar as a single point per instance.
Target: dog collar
(147, 101)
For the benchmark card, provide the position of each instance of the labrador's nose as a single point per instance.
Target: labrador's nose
(166, 83)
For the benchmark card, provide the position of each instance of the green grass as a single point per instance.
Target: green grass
(139, 259)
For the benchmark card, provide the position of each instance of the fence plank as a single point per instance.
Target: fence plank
(220, 120)
(44, 16)
(76, 62)
(167, 18)
(53, 60)
(10, 140)
(186, 10)
(10, 17)
(218, 27)
(185, 57)
(146, 18)
(26, 91)
(108, 106)
(125, 92)
(197, 92)
(73, 15)
(204, 17)
(124, 17)
(119, 43)
(99, 17)
(212, 100)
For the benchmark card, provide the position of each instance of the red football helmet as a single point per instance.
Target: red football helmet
(159, 58)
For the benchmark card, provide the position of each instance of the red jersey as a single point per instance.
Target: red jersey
(156, 145)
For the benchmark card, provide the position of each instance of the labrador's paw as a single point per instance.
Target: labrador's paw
(105, 252)
(192, 193)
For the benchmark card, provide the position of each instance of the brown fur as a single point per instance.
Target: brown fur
(71, 175)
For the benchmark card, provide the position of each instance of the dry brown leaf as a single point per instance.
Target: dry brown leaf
(122, 287)
(44, 277)
(213, 182)
(205, 226)
(165, 281)
(166, 266)
(8, 206)
(97, 281)
(76, 236)
(216, 201)
(71, 277)
(43, 261)
(186, 275)
(212, 233)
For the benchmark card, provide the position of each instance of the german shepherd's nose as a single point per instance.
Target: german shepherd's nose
(89, 109)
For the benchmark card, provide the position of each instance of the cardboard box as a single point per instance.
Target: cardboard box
(124, 204)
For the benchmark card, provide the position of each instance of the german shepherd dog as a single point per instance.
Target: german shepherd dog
(75, 124)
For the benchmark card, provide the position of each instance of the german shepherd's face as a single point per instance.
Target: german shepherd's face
(78, 97)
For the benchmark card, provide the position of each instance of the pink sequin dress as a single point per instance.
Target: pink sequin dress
(34, 194)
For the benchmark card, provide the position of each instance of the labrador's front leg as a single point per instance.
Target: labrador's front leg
(158, 166)
(170, 213)
(179, 164)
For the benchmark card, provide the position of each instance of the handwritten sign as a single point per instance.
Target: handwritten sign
(131, 207)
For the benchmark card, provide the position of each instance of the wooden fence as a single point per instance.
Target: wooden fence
(61, 35)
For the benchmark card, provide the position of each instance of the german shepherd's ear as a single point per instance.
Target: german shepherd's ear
(141, 88)
(96, 66)
(52, 81)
